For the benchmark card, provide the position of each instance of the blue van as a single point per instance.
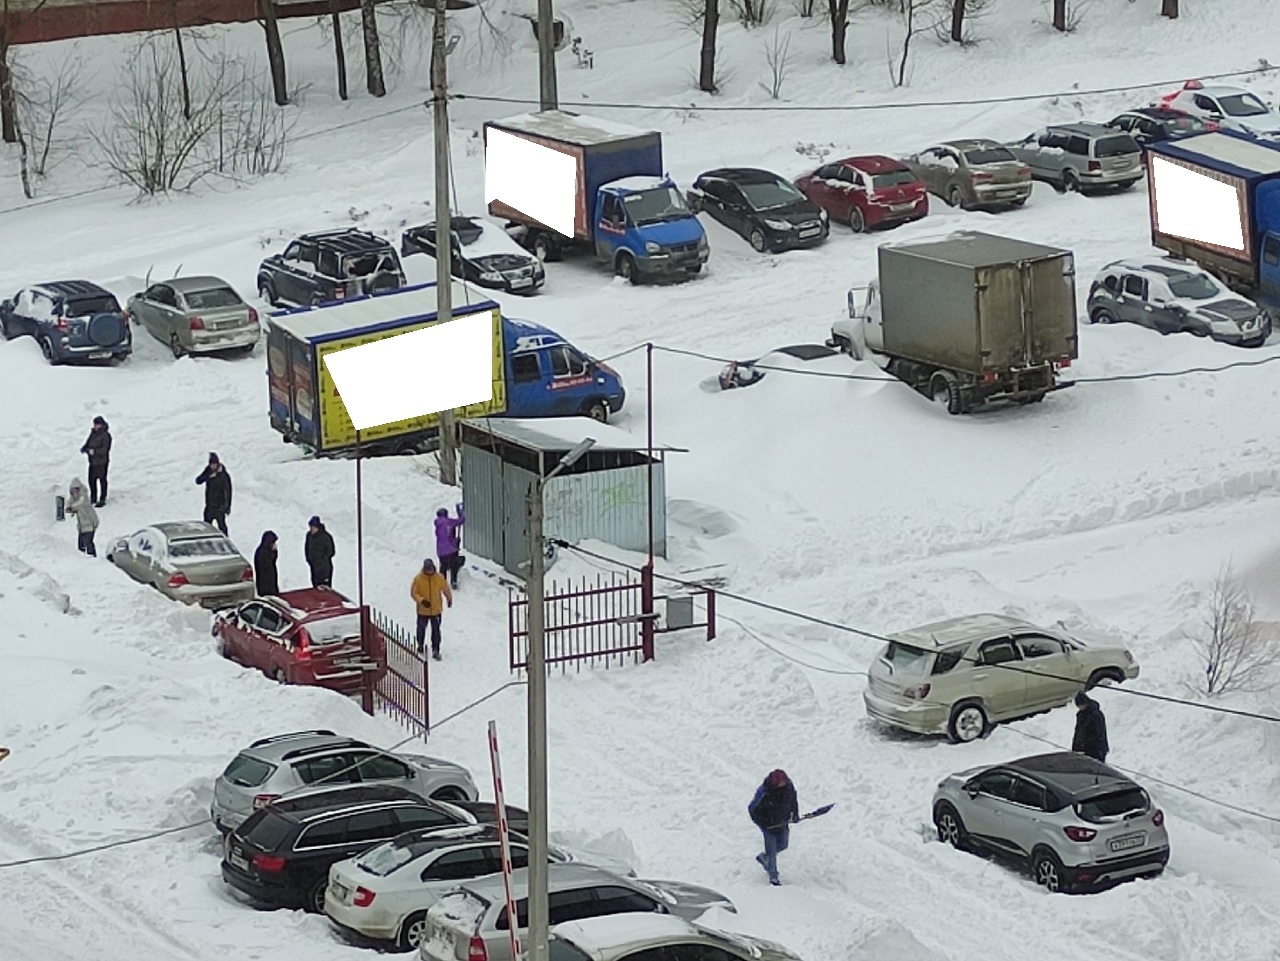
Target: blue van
(549, 377)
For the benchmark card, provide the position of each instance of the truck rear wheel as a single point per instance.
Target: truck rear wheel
(545, 249)
(944, 388)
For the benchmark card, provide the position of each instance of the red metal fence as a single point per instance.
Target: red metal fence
(401, 685)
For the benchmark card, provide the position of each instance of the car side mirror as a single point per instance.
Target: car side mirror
(971, 789)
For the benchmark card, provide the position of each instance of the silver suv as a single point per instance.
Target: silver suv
(1082, 157)
(1075, 822)
(286, 763)
(962, 675)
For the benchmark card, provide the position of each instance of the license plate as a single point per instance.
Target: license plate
(901, 207)
(238, 861)
(100, 355)
(1128, 842)
(522, 282)
(811, 232)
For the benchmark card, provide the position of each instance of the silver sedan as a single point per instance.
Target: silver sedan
(189, 561)
(196, 315)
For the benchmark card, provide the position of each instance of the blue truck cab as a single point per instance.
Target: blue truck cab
(549, 377)
(627, 211)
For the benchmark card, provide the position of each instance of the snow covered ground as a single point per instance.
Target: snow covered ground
(1109, 506)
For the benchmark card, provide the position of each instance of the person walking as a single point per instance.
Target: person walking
(319, 552)
(265, 576)
(217, 492)
(1091, 729)
(774, 809)
(448, 543)
(430, 592)
(80, 504)
(98, 448)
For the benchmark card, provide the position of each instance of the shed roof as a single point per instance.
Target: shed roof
(562, 433)
(374, 311)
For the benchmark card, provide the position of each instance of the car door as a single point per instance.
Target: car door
(821, 187)
(297, 272)
(1132, 303)
(271, 636)
(162, 309)
(327, 770)
(925, 166)
(242, 630)
(381, 769)
(457, 865)
(1022, 816)
(738, 215)
(997, 678)
(611, 230)
(1207, 107)
(358, 833)
(569, 372)
(1050, 670)
(713, 199)
(144, 554)
(984, 813)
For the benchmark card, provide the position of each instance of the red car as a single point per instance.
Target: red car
(866, 192)
(310, 636)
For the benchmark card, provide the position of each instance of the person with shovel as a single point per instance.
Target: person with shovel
(774, 809)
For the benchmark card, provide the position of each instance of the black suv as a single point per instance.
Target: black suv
(331, 265)
(768, 211)
(282, 854)
(72, 320)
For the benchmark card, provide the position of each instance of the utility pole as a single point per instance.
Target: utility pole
(547, 66)
(448, 456)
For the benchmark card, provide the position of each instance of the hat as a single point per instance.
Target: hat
(100, 420)
(428, 564)
(269, 537)
(1082, 699)
(442, 512)
(778, 778)
(213, 458)
(314, 522)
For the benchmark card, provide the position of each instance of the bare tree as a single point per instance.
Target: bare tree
(275, 51)
(10, 20)
(1060, 15)
(838, 14)
(806, 8)
(1239, 652)
(752, 13)
(1169, 8)
(777, 54)
(707, 58)
(45, 102)
(372, 49)
(340, 55)
(918, 16)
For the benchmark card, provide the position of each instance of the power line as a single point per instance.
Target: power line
(801, 108)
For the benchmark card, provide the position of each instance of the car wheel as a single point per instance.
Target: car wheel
(950, 827)
(955, 197)
(46, 348)
(944, 388)
(279, 676)
(1046, 868)
(1102, 316)
(268, 293)
(756, 239)
(451, 793)
(857, 222)
(598, 410)
(315, 897)
(968, 723)
(176, 346)
(545, 249)
(1070, 182)
(1104, 675)
(626, 269)
(413, 931)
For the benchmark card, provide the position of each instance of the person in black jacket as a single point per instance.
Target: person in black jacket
(774, 809)
(264, 565)
(319, 551)
(217, 492)
(1091, 729)
(98, 447)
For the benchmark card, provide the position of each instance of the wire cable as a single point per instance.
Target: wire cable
(783, 654)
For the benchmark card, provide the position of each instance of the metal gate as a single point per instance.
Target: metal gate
(400, 686)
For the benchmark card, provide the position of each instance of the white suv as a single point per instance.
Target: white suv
(1231, 108)
(962, 675)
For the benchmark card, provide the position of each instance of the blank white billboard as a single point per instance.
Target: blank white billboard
(539, 182)
(1197, 207)
(442, 367)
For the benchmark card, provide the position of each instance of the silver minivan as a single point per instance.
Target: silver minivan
(1084, 157)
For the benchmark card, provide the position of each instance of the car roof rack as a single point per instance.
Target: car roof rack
(285, 737)
(317, 748)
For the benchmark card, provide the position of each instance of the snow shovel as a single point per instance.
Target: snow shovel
(60, 507)
(815, 813)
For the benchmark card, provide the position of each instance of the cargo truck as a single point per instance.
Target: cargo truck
(1215, 200)
(627, 211)
(967, 320)
(536, 373)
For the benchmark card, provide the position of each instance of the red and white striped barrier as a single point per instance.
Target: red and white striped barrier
(503, 843)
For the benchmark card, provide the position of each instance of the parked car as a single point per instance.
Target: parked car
(1231, 108)
(307, 636)
(484, 254)
(866, 192)
(383, 894)
(71, 320)
(471, 923)
(1149, 125)
(189, 561)
(973, 174)
(281, 855)
(196, 315)
(962, 675)
(764, 209)
(1084, 157)
(656, 937)
(274, 766)
(1076, 823)
(330, 265)
(1174, 297)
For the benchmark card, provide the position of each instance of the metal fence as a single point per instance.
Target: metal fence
(400, 687)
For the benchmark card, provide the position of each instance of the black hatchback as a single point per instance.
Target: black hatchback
(282, 854)
(768, 211)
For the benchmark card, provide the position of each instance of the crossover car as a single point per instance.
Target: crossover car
(1083, 157)
(471, 924)
(656, 937)
(383, 895)
(1175, 296)
(866, 192)
(764, 209)
(189, 561)
(281, 855)
(483, 253)
(1076, 823)
(307, 636)
(274, 766)
(73, 321)
(1148, 125)
(330, 265)
(960, 676)
(196, 315)
(1231, 108)
(973, 174)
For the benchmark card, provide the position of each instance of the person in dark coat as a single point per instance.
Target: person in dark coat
(1091, 729)
(265, 576)
(217, 492)
(98, 448)
(319, 551)
(448, 543)
(774, 809)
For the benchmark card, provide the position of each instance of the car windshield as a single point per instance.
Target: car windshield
(1193, 286)
(894, 178)
(392, 856)
(201, 547)
(1114, 806)
(903, 657)
(1242, 105)
(89, 306)
(779, 193)
(214, 297)
(989, 155)
(468, 232)
(246, 771)
(1115, 146)
(333, 630)
(656, 206)
(363, 265)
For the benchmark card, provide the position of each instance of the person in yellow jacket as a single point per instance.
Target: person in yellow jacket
(430, 592)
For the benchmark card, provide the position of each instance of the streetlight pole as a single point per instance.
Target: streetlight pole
(444, 232)
(536, 672)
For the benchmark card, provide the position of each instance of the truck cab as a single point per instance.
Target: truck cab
(549, 377)
(862, 332)
(644, 228)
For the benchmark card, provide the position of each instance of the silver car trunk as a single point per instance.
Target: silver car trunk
(224, 318)
(210, 571)
(1007, 172)
(899, 667)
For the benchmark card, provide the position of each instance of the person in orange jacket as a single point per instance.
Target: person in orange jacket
(430, 592)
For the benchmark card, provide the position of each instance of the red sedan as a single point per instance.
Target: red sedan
(310, 636)
(866, 192)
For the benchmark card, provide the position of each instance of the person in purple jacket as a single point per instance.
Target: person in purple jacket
(448, 544)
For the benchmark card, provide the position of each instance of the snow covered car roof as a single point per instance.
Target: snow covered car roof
(961, 630)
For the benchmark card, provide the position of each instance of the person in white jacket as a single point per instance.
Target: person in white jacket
(86, 517)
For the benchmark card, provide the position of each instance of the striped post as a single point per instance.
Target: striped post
(503, 843)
